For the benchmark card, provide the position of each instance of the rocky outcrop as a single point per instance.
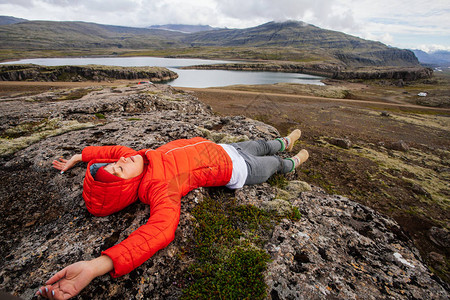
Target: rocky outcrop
(343, 250)
(321, 69)
(343, 143)
(406, 74)
(379, 57)
(334, 71)
(83, 73)
(338, 249)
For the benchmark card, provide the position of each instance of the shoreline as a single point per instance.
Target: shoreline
(318, 68)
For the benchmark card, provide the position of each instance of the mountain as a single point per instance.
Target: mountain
(285, 34)
(69, 35)
(287, 41)
(6, 20)
(184, 28)
(437, 58)
(299, 35)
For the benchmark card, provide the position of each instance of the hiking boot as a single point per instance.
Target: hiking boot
(292, 138)
(299, 158)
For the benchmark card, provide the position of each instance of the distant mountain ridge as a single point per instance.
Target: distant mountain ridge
(292, 41)
(82, 35)
(184, 28)
(436, 58)
(6, 20)
(286, 34)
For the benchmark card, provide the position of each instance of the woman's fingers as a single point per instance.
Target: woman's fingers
(45, 291)
(58, 276)
(60, 164)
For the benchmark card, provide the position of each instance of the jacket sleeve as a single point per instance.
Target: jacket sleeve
(98, 152)
(156, 234)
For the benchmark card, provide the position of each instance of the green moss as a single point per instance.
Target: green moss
(295, 215)
(278, 180)
(100, 116)
(28, 128)
(228, 248)
(75, 94)
(253, 222)
(214, 229)
(239, 276)
(229, 264)
(420, 163)
(26, 134)
(320, 180)
(262, 118)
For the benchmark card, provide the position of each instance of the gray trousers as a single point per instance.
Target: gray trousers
(261, 161)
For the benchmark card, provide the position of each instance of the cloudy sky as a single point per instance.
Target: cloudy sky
(413, 24)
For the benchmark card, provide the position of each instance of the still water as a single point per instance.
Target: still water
(187, 78)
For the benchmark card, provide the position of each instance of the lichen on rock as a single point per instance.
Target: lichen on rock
(23, 135)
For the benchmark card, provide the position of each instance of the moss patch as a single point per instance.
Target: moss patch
(424, 170)
(75, 94)
(100, 116)
(278, 180)
(23, 135)
(433, 122)
(239, 276)
(229, 258)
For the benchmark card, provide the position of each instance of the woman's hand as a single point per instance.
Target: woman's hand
(64, 165)
(71, 280)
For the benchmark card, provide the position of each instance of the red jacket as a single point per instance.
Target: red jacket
(170, 172)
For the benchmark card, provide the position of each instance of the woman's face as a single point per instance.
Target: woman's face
(126, 168)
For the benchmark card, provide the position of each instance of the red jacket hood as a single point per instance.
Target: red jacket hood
(102, 198)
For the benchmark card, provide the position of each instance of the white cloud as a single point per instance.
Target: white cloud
(386, 38)
(327, 13)
(433, 48)
(25, 3)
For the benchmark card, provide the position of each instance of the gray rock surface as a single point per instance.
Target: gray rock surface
(398, 145)
(343, 250)
(337, 250)
(343, 143)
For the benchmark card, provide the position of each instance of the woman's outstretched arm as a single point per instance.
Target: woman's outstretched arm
(71, 280)
(64, 164)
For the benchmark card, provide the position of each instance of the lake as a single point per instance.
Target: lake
(187, 78)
